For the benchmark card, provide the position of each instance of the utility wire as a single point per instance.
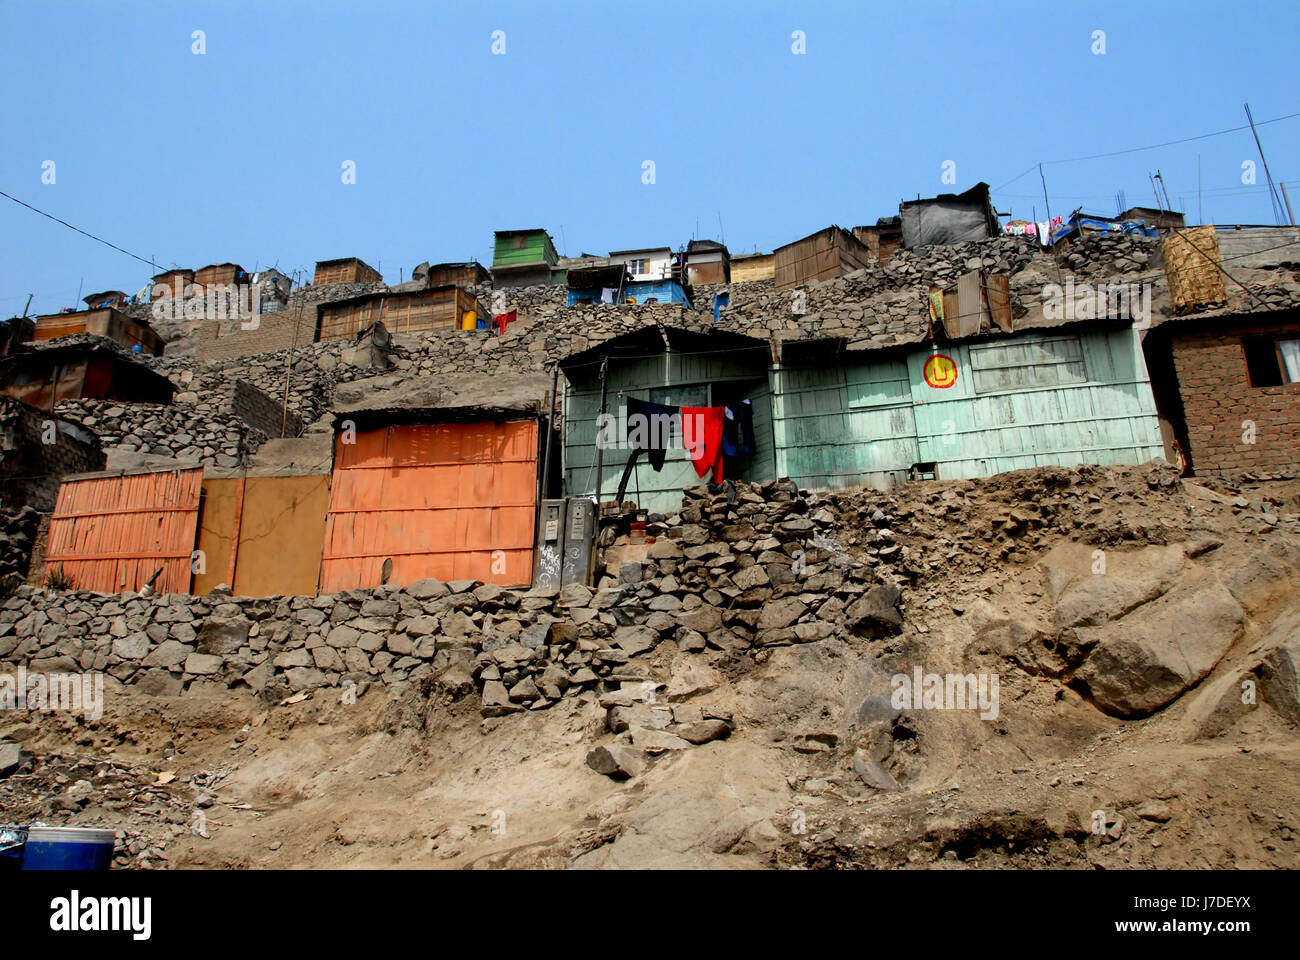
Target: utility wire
(1170, 143)
(79, 230)
(1154, 146)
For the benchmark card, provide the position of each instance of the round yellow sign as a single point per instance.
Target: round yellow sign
(940, 371)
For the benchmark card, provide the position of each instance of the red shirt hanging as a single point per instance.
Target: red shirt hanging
(702, 435)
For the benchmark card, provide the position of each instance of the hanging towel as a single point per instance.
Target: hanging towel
(607, 294)
(702, 435)
(653, 430)
(738, 431)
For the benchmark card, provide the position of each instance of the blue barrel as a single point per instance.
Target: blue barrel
(68, 848)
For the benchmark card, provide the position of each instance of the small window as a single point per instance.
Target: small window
(1050, 362)
(690, 395)
(636, 267)
(1271, 362)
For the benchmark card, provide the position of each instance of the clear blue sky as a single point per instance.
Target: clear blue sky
(236, 154)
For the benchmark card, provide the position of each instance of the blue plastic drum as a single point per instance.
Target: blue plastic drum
(68, 848)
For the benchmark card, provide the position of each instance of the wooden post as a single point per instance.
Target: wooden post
(600, 451)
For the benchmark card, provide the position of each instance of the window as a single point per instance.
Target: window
(638, 267)
(1049, 362)
(1271, 362)
(690, 395)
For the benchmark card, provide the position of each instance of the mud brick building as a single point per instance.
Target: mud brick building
(1231, 388)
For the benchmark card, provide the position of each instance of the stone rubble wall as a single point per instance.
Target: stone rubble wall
(722, 579)
(176, 430)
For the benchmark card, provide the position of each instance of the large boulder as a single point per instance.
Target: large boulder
(1090, 587)
(1145, 660)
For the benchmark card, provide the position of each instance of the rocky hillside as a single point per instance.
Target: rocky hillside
(1057, 667)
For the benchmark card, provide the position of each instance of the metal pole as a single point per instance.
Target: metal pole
(1281, 183)
(600, 450)
(1272, 191)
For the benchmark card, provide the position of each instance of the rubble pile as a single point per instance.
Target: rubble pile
(147, 811)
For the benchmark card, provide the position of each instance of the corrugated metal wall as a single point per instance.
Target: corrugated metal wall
(438, 500)
(112, 533)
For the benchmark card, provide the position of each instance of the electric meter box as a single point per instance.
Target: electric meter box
(549, 555)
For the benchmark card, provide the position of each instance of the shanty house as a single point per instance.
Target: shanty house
(220, 274)
(108, 322)
(677, 368)
(109, 298)
(1229, 387)
(647, 263)
(80, 371)
(824, 255)
(747, 267)
(949, 218)
(607, 284)
(707, 261)
(175, 281)
(438, 308)
(460, 274)
(524, 258)
(972, 408)
(449, 493)
(245, 521)
(344, 270)
(831, 418)
(37, 449)
(884, 239)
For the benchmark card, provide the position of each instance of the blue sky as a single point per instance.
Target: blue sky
(237, 154)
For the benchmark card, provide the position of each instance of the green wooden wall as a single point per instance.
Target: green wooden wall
(868, 422)
(514, 249)
(676, 379)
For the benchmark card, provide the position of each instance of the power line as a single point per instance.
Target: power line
(79, 230)
(1154, 146)
(1170, 143)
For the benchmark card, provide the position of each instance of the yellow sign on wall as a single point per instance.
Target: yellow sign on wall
(940, 371)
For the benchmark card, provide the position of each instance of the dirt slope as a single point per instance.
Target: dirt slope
(821, 770)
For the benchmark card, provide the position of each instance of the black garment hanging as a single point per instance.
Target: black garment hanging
(738, 429)
(653, 432)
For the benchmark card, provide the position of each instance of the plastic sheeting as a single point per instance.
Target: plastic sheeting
(949, 218)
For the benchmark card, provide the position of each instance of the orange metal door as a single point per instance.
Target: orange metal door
(452, 501)
(113, 533)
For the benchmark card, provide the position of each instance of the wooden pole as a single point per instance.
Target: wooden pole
(600, 450)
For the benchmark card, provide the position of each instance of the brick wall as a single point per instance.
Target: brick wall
(226, 339)
(1220, 405)
(261, 411)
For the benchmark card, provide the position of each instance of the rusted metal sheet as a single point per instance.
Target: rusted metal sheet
(263, 535)
(281, 530)
(452, 501)
(218, 531)
(113, 533)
